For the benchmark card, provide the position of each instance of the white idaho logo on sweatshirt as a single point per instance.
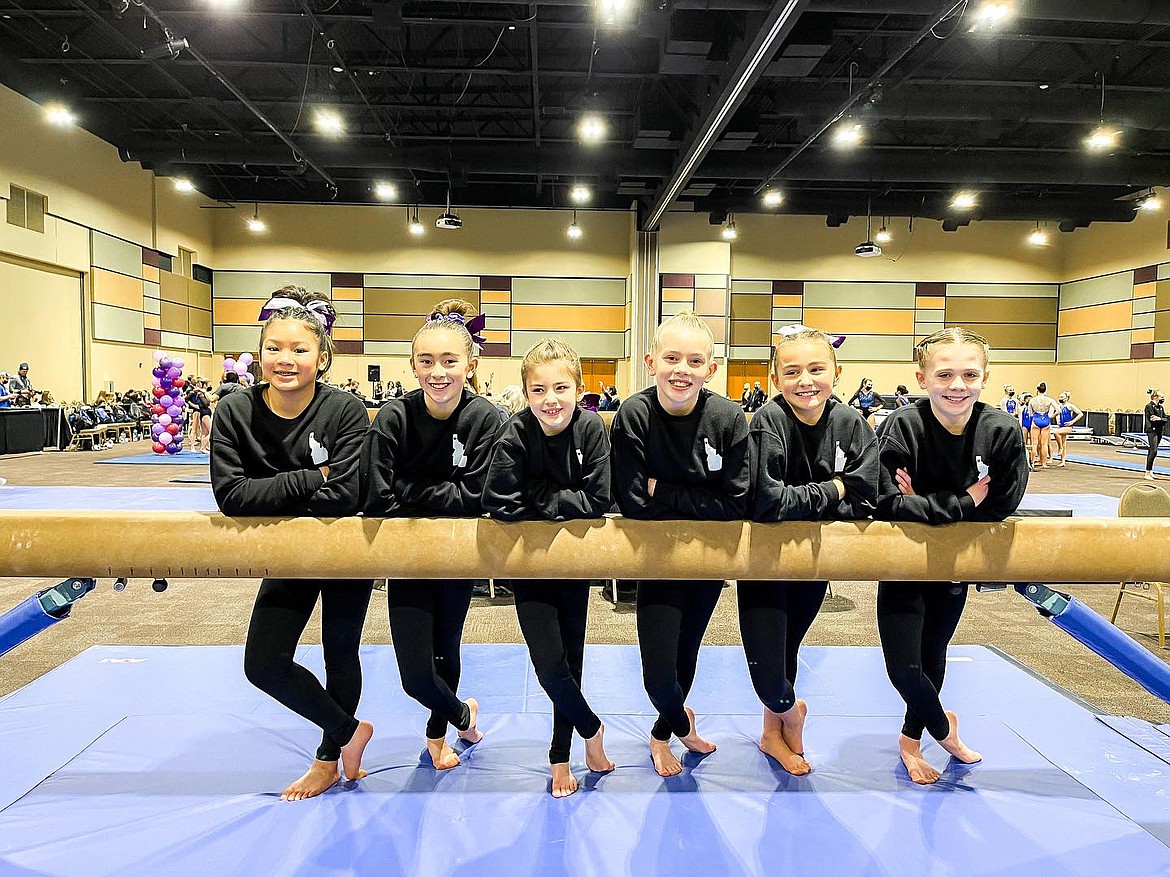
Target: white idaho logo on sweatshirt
(317, 451)
(580, 457)
(839, 460)
(981, 467)
(714, 461)
(458, 452)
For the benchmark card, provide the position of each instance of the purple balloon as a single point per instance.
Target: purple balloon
(177, 421)
(165, 438)
(178, 362)
(164, 419)
(175, 411)
(165, 362)
(158, 372)
(174, 448)
(157, 430)
(173, 372)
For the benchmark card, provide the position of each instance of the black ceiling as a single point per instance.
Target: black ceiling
(485, 97)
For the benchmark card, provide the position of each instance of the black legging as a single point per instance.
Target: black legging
(552, 617)
(916, 621)
(773, 619)
(672, 618)
(1153, 439)
(426, 625)
(282, 610)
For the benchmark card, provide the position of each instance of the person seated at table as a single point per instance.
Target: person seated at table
(6, 396)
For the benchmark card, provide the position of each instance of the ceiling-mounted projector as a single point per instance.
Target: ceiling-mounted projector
(448, 220)
(867, 250)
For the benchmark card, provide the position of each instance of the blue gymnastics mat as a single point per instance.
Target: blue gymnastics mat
(163, 760)
(1163, 451)
(1108, 463)
(186, 458)
(130, 499)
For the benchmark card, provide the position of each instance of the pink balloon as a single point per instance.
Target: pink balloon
(246, 358)
(229, 364)
(164, 419)
(165, 438)
(178, 362)
(158, 354)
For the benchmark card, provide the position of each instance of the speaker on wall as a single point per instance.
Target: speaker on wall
(373, 373)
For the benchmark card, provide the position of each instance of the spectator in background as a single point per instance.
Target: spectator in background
(901, 396)
(756, 399)
(1155, 426)
(746, 399)
(5, 394)
(231, 384)
(609, 398)
(22, 386)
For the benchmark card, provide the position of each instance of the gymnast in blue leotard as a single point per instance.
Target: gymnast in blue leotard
(1069, 416)
(1043, 407)
(1024, 416)
(1009, 403)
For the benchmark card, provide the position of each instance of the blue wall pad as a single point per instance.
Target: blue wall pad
(1108, 463)
(187, 458)
(130, 499)
(163, 760)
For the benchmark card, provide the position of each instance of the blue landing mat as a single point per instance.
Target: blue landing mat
(1082, 505)
(1140, 439)
(1108, 463)
(1163, 452)
(186, 458)
(130, 499)
(119, 774)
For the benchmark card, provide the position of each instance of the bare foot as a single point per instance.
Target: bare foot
(595, 758)
(918, 767)
(564, 783)
(956, 747)
(792, 726)
(693, 741)
(772, 743)
(319, 777)
(351, 752)
(472, 734)
(442, 755)
(665, 762)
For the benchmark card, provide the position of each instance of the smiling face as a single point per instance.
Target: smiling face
(290, 356)
(805, 371)
(681, 363)
(552, 392)
(953, 376)
(439, 361)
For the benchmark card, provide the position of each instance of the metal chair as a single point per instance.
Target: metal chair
(1145, 501)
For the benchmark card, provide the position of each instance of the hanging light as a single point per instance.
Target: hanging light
(60, 114)
(964, 200)
(182, 184)
(255, 224)
(848, 133)
(773, 198)
(1103, 137)
(385, 191)
(591, 128)
(574, 232)
(329, 123)
(1038, 236)
(1149, 201)
(580, 194)
(415, 227)
(729, 233)
(991, 14)
(883, 235)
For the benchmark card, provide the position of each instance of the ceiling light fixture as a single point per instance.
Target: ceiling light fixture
(729, 233)
(1038, 237)
(415, 227)
(256, 225)
(991, 14)
(182, 184)
(574, 231)
(1148, 202)
(1103, 137)
(848, 134)
(773, 198)
(868, 248)
(338, 68)
(385, 191)
(964, 200)
(612, 11)
(59, 114)
(328, 122)
(1044, 86)
(580, 194)
(883, 235)
(591, 129)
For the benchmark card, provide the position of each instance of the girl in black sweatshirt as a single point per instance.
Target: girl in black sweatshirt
(679, 451)
(945, 458)
(551, 462)
(291, 446)
(427, 456)
(813, 459)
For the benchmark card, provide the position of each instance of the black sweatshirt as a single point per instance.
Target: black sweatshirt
(533, 476)
(1154, 410)
(700, 460)
(942, 466)
(264, 464)
(793, 464)
(417, 466)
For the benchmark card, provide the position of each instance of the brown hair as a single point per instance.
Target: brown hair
(805, 334)
(550, 350)
(952, 335)
(302, 314)
(467, 311)
(684, 320)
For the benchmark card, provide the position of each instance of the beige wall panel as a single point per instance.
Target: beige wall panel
(62, 244)
(1101, 318)
(841, 294)
(380, 327)
(236, 339)
(151, 305)
(116, 324)
(1017, 335)
(175, 340)
(430, 282)
(149, 272)
(123, 365)
(746, 333)
(718, 327)
(1003, 290)
(173, 287)
(392, 348)
(842, 321)
(1162, 295)
(151, 321)
(496, 312)
(1146, 305)
(671, 308)
(261, 284)
(876, 348)
(760, 286)
(754, 354)
(1097, 290)
(1104, 346)
(349, 321)
(568, 290)
(415, 302)
(50, 302)
(688, 245)
(750, 307)
(786, 317)
(353, 308)
(963, 310)
(199, 294)
(200, 344)
(151, 288)
(198, 322)
(116, 289)
(174, 318)
(711, 301)
(1143, 321)
(1162, 326)
(550, 317)
(597, 345)
(235, 311)
(118, 255)
(1001, 355)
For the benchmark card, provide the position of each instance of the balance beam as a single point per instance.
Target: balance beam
(46, 544)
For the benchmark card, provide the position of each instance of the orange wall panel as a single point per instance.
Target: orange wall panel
(859, 321)
(598, 318)
(1099, 318)
(117, 289)
(236, 311)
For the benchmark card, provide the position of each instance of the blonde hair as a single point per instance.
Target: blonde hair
(462, 308)
(805, 334)
(951, 335)
(688, 321)
(302, 314)
(512, 398)
(550, 350)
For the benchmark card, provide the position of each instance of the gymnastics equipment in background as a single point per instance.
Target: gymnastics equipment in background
(167, 413)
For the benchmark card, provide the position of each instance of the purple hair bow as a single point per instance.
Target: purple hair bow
(319, 309)
(835, 340)
(473, 326)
